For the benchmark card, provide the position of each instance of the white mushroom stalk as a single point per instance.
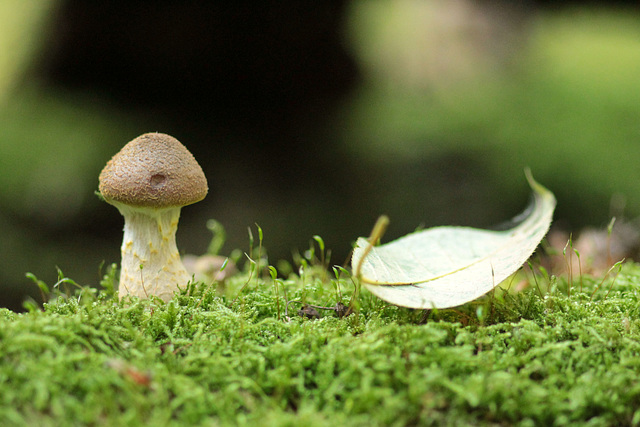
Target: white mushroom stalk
(151, 262)
(149, 181)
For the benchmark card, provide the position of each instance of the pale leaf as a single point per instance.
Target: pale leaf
(448, 266)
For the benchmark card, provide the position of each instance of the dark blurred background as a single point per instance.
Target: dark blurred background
(312, 118)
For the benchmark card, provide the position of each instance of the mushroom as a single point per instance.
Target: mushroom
(149, 181)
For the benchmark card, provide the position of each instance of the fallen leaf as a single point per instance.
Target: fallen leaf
(445, 267)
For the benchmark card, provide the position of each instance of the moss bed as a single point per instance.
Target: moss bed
(238, 354)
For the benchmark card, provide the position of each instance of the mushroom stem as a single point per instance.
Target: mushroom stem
(151, 263)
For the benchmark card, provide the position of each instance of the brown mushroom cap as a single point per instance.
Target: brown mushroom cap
(154, 170)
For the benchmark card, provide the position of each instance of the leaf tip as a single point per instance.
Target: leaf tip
(538, 188)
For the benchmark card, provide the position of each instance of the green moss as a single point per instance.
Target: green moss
(222, 356)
